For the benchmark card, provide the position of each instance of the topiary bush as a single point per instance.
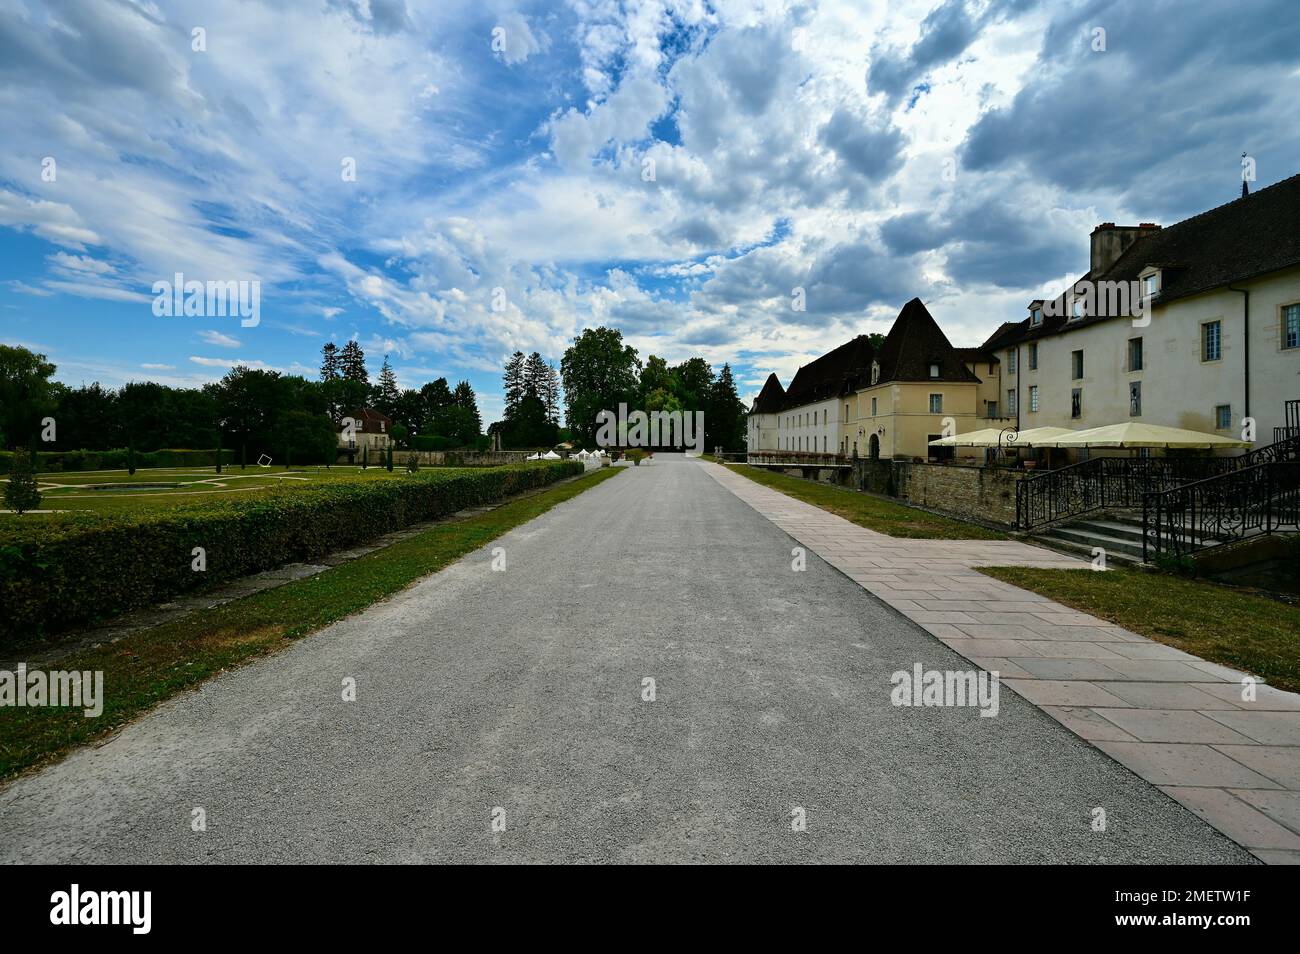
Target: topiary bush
(76, 569)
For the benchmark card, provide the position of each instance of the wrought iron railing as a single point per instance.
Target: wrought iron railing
(1258, 499)
(1106, 482)
(1124, 482)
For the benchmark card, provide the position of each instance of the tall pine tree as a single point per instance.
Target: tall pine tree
(352, 362)
(386, 393)
(514, 383)
(330, 365)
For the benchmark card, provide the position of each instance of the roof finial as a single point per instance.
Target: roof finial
(1247, 173)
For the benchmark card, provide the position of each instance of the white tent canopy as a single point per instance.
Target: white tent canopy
(1039, 436)
(987, 437)
(1134, 434)
(550, 455)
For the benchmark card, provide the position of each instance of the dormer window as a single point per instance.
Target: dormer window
(1150, 284)
(875, 372)
(1076, 308)
(1036, 316)
(934, 370)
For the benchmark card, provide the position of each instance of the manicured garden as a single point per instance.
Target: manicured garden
(65, 570)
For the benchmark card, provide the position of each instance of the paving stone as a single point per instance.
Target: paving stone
(1005, 668)
(1167, 695)
(1060, 692)
(1065, 668)
(1171, 725)
(1068, 649)
(1156, 670)
(1241, 822)
(1176, 763)
(1087, 724)
(1270, 728)
(1266, 697)
(1282, 807)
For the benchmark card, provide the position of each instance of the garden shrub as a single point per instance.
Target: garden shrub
(61, 571)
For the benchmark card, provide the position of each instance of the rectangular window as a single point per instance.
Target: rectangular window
(1033, 397)
(1212, 341)
(991, 408)
(823, 443)
(936, 403)
(1149, 286)
(1033, 356)
(1135, 399)
(846, 412)
(1011, 361)
(1011, 401)
(990, 368)
(825, 411)
(934, 370)
(873, 407)
(1076, 403)
(1291, 326)
(1076, 365)
(1223, 417)
(1135, 354)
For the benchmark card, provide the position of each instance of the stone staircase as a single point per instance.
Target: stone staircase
(1119, 533)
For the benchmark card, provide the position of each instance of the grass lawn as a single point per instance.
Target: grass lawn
(884, 516)
(116, 491)
(1217, 623)
(146, 668)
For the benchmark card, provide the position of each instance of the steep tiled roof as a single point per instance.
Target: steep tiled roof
(831, 374)
(1246, 238)
(771, 398)
(916, 342)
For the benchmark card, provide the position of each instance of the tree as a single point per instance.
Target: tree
(599, 372)
(352, 362)
(529, 427)
(724, 418)
(540, 380)
(693, 383)
(26, 394)
(386, 392)
(331, 367)
(465, 398)
(514, 381)
(21, 492)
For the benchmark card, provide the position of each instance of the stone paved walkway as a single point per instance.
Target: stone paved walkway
(1172, 718)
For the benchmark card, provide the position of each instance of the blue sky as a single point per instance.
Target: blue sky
(866, 152)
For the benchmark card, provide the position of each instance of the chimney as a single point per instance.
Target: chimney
(1110, 241)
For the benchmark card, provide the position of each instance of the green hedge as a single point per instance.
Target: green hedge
(57, 573)
(54, 461)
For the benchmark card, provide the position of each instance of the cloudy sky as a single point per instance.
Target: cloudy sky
(672, 169)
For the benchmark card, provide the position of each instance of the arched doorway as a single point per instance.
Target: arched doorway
(874, 447)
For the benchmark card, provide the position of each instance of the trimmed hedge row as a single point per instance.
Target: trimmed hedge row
(116, 459)
(56, 574)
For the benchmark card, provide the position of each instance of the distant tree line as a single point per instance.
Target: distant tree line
(249, 412)
(598, 372)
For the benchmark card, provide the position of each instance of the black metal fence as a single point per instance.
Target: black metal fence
(1258, 499)
(1107, 482)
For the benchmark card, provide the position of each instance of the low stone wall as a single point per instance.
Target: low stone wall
(973, 493)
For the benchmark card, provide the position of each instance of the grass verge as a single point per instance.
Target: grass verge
(144, 669)
(1217, 623)
(883, 516)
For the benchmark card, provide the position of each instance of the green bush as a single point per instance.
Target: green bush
(70, 570)
(76, 460)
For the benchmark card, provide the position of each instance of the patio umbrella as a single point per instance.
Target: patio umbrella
(987, 437)
(1039, 436)
(1134, 434)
